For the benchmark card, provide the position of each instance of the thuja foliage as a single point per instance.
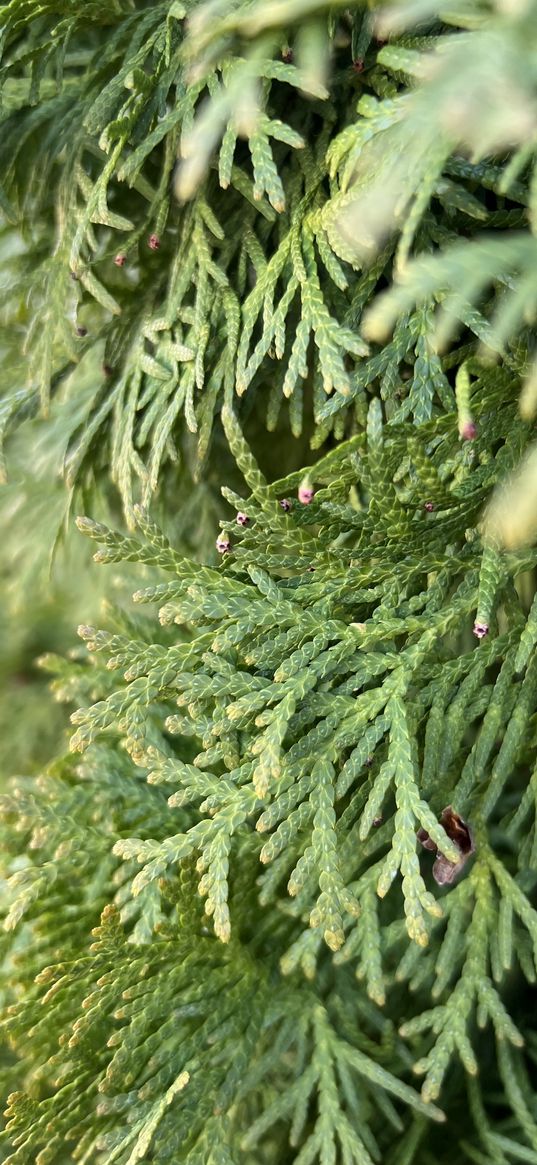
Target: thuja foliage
(274, 898)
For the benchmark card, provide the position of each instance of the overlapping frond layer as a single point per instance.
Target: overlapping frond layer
(310, 708)
(256, 284)
(182, 1048)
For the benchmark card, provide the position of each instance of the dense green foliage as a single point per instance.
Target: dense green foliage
(285, 250)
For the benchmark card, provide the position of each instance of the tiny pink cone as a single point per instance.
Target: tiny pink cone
(468, 430)
(306, 492)
(223, 543)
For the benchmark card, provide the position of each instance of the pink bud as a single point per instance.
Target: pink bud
(223, 544)
(120, 260)
(242, 519)
(358, 65)
(153, 242)
(468, 431)
(285, 504)
(481, 629)
(429, 506)
(305, 493)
